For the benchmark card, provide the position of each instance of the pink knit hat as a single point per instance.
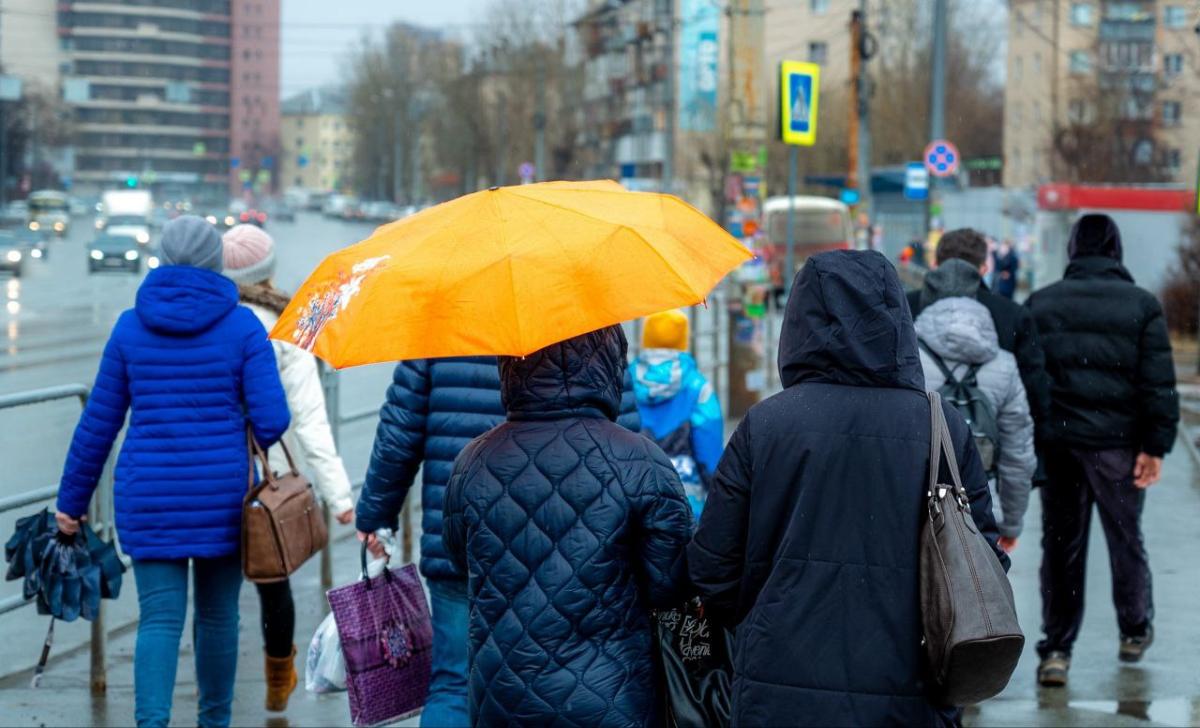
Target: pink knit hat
(249, 254)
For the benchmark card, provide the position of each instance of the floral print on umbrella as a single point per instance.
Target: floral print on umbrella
(323, 306)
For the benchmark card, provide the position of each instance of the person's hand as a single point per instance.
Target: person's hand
(1146, 470)
(373, 544)
(345, 517)
(1008, 543)
(66, 524)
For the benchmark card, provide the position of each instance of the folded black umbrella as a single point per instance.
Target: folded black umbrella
(68, 575)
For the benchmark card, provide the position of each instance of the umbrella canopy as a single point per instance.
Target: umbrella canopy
(508, 271)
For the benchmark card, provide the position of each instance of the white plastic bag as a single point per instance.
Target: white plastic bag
(324, 667)
(325, 670)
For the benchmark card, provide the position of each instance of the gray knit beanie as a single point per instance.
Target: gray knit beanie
(191, 240)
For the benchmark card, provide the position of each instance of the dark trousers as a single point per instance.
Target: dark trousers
(278, 617)
(1077, 479)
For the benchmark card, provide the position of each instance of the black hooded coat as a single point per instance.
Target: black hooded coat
(1107, 350)
(808, 543)
(569, 528)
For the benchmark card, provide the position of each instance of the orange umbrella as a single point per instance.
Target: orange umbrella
(508, 271)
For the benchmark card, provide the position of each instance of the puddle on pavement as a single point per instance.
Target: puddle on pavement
(1169, 711)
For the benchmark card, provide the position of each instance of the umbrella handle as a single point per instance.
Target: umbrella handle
(41, 665)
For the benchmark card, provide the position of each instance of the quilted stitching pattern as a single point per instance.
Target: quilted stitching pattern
(190, 367)
(570, 528)
(433, 409)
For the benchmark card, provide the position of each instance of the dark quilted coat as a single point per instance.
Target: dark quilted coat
(434, 407)
(808, 542)
(191, 367)
(570, 528)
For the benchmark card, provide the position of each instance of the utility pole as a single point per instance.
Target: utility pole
(937, 95)
(397, 154)
(503, 146)
(668, 26)
(863, 50)
(539, 125)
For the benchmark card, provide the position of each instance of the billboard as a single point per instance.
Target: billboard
(699, 52)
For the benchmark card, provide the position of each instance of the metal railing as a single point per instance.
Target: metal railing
(98, 517)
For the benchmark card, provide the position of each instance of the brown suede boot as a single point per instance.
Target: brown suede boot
(281, 680)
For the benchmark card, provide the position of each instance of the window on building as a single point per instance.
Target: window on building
(818, 51)
(1173, 159)
(1081, 14)
(1172, 113)
(1014, 113)
(1081, 62)
(1018, 69)
(1080, 111)
(1172, 64)
(1175, 16)
(1037, 64)
(1143, 152)
(818, 7)
(1037, 111)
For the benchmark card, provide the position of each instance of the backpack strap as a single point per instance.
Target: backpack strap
(941, 363)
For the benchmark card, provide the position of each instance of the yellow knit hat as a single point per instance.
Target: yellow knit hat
(666, 330)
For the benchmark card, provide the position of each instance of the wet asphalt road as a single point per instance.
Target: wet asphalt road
(55, 321)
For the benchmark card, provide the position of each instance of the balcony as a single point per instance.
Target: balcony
(1113, 31)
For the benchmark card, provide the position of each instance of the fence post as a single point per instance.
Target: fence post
(100, 514)
(333, 411)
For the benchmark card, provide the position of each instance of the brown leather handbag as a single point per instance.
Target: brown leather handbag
(282, 523)
(972, 638)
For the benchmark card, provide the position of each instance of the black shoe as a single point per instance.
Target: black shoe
(1052, 672)
(1132, 648)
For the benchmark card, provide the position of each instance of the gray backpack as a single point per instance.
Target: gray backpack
(963, 393)
(972, 638)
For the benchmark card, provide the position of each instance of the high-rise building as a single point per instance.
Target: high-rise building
(316, 141)
(1101, 91)
(180, 95)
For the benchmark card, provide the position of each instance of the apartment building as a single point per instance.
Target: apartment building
(1125, 69)
(316, 140)
(179, 94)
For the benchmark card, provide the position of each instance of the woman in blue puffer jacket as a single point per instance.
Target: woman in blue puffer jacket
(570, 529)
(193, 369)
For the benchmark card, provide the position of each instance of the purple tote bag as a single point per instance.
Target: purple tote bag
(387, 640)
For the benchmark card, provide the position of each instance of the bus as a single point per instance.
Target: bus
(820, 224)
(49, 211)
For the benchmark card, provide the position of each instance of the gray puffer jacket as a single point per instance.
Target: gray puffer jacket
(961, 332)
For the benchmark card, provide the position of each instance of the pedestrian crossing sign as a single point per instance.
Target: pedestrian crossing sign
(799, 90)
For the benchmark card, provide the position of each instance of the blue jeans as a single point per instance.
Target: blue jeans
(447, 704)
(162, 608)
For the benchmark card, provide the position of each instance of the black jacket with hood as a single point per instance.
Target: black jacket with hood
(809, 540)
(569, 528)
(1107, 350)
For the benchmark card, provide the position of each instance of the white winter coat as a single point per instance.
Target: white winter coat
(309, 438)
(961, 331)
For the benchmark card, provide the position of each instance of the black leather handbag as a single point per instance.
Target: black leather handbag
(697, 667)
(972, 638)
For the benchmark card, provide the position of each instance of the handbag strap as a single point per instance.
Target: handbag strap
(942, 444)
(255, 451)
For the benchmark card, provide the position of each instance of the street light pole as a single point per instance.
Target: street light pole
(937, 95)
(539, 126)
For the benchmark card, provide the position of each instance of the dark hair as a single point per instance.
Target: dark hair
(964, 244)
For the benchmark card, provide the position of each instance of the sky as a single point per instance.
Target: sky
(318, 34)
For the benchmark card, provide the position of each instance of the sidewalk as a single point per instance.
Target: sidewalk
(64, 700)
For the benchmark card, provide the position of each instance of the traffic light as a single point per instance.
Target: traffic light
(131, 181)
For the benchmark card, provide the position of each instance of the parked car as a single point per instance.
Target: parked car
(12, 254)
(380, 211)
(114, 252)
(281, 211)
(335, 205)
(252, 216)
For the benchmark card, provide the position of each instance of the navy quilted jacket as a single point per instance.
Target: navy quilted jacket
(190, 366)
(435, 407)
(570, 529)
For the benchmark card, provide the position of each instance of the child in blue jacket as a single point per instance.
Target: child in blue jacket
(192, 369)
(678, 407)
